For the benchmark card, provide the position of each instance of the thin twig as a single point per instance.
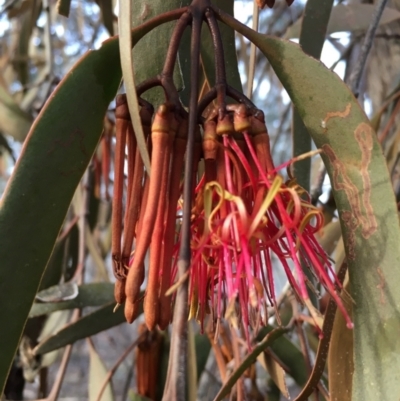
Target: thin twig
(305, 348)
(47, 38)
(111, 372)
(355, 77)
(236, 355)
(175, 387)
(55, 390)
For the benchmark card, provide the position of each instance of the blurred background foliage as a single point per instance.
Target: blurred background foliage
(38, 47)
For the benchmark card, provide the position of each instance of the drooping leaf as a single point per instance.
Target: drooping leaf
(97, 375)
(55, 155)
(366, 204)
(54, 268)
(94, 294)
(89, 325)
(352, 17)
(128, 72)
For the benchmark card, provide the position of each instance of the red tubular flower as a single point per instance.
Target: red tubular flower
(243, 215)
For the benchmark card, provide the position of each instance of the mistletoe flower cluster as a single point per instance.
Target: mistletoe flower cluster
(216, 230)
(243, 215)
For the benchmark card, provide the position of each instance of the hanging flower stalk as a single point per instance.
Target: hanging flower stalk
(227, 226)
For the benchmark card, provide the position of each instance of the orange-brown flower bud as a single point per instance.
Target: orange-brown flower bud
(225, 126)
(210, 140)
(162, 121)
(241, 120)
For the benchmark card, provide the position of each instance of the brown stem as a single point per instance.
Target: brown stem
(239, 97)
(220, 73)
(170, 60)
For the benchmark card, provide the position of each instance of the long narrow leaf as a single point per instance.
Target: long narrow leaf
(89, 325)
(125, 48)
(94, 294)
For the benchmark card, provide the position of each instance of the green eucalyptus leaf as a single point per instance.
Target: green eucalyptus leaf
(366, 204)
(55, 155)
(94, 294)
(349, 18)
(54, 268)
(89, 325)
